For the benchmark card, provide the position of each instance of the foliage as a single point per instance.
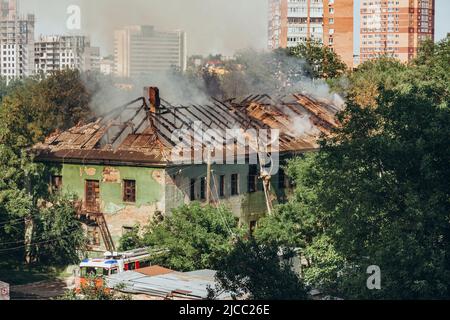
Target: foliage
(59, 235)
(34, 109)
(300, 225)
(257, 272)
(196, 237)
(321, 61)
(30, 110)
(95, 290)
(131, 240)
(377, 192)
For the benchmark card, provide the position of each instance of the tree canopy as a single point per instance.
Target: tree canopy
(256, 271)
(195, 237)
(377, 192)
(31, 220)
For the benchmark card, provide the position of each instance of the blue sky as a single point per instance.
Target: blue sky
(442, 20)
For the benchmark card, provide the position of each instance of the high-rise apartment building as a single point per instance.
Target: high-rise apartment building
(16, 42)
(329, 22)
(395, 27)
(54, 53)
(142, 50)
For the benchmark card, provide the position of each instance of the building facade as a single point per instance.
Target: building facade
(395, 27)
(122, 170)
(329, 22)
(16, 42)
(107, 65)
(143, 50)
(54, 53)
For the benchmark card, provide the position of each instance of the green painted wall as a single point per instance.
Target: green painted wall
(148, 190)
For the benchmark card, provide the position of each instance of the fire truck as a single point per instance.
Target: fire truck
(115, 262)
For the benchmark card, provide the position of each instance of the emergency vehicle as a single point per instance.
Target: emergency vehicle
(115, 262)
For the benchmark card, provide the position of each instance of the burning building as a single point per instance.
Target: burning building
(140, 160)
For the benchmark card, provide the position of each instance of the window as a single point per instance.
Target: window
(93, 236)
(234, 184)
(222, 186)
(129, 191)
(203, 188)
(192, 190)
(56, 184)
(92, 195)
(253, 179)
(253, 225)
(126, 230)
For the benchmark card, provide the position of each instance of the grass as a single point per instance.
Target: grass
(19, 275)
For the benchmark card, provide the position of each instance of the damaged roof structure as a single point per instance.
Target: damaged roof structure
(123, 165)
(140, 132)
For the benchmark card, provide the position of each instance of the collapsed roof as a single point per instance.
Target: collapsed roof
(140, 132)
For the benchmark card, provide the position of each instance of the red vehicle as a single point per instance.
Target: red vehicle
(113, 263)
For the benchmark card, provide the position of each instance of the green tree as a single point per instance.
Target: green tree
(59, 238)
(300, 225)
(196, 237)
(380, 192)
(321, 61)
(131, 240)
(30, 110)
(256, 272)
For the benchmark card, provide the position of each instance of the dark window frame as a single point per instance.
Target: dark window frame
(129, 191)
(253, 179)
(192, 195)
(235, 184)
(93, 236)
(253, 225)
(92, 201)
(203, 188)
(56, 183)
(222, 181)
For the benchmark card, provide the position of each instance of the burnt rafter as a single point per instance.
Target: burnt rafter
(141, 131)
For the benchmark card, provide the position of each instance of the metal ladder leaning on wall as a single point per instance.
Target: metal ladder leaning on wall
(106, 235)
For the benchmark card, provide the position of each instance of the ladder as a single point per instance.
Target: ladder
(106, 235)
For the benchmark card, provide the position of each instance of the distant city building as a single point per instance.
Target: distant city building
(329, 22)
(395, 28)
(142, 50)
(16, 42)
(53, 53)
(107, 65)
(91, 59)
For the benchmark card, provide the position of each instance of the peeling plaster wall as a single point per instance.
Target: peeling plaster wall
(149, 192)
(159, 190)
(247, 207)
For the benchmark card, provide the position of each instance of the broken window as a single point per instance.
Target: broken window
(253, 225)
(253, 179)
(129, 191)
(222, 186)
(192, 190)
(203, 189)
(92, 195)
(234, 184)
(56, 184)
(126, 230)
(93, 236)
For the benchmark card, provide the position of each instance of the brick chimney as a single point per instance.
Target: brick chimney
(151, 94)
